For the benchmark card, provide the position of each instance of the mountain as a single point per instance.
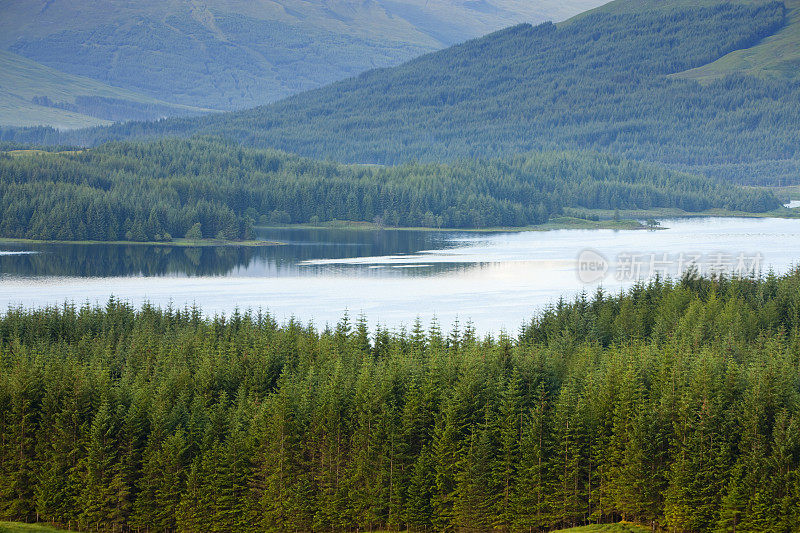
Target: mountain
(232, 54)
(32, 94)
(777, 56)
(612, 80)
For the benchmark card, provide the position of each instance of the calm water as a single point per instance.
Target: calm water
(497, 280)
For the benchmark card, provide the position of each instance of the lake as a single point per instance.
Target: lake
(495, 280)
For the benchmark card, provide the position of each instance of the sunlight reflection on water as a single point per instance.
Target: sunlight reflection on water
(497, 280)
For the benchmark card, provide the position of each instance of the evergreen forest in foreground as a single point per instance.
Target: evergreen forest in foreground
(209, 188)
(674, 405)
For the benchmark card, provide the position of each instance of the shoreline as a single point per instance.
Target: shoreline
(177, 242)
(555, 224)
(631, 222)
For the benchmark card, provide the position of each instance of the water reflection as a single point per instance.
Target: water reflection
(119, 260)
(498, 280)
(295, 257)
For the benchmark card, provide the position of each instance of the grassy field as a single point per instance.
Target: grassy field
(234, 55)
(23, 80)
(563, 222)
(15, 527)
(778, 56)
(32, 152)
(661, 213)
(623, 527)
(791, 192)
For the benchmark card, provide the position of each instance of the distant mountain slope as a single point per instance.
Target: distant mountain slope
(602, 81)
(777, 56)
(232, 54)
(32, 94)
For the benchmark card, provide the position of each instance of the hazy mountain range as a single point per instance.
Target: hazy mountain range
(218, 54)
(703, 86)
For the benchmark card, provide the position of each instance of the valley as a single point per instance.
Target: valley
(228, 55)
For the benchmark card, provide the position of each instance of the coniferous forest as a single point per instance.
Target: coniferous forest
(156, 191)
(675, 404)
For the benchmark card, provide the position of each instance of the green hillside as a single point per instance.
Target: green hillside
(154, 191)
(777, 56)
(32, 94)
(237, 54)
(603, 82)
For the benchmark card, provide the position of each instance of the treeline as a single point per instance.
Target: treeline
(676, 404)
(603, 81)
(115, 109)
(207, 188)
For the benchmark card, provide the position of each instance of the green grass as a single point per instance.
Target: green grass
(554, 224)
(235, 55)
(30, 152)
(622, 7)
(16, 527)
(778, 56)
(640, 214)
(791, 192)
(581, 223)
(23, 79)
(623, 527)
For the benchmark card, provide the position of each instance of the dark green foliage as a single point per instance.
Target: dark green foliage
(163, 420)
(600, 82)
(205, 188)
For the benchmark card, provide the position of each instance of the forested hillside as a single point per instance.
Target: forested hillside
(164, 189)
(235, 54)
(603, 81)
(777, 56)
(675, 404)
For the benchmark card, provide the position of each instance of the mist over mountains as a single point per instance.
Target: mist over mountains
(219, 55)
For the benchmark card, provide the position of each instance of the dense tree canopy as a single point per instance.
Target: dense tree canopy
(205, 188)
(676, 403)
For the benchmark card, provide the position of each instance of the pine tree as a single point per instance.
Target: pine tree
(475, 495)
(102, 486)
(447, 453)
(568, 497)
(508, 428)
(17, 447)
(421, 490)
(533, 484)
